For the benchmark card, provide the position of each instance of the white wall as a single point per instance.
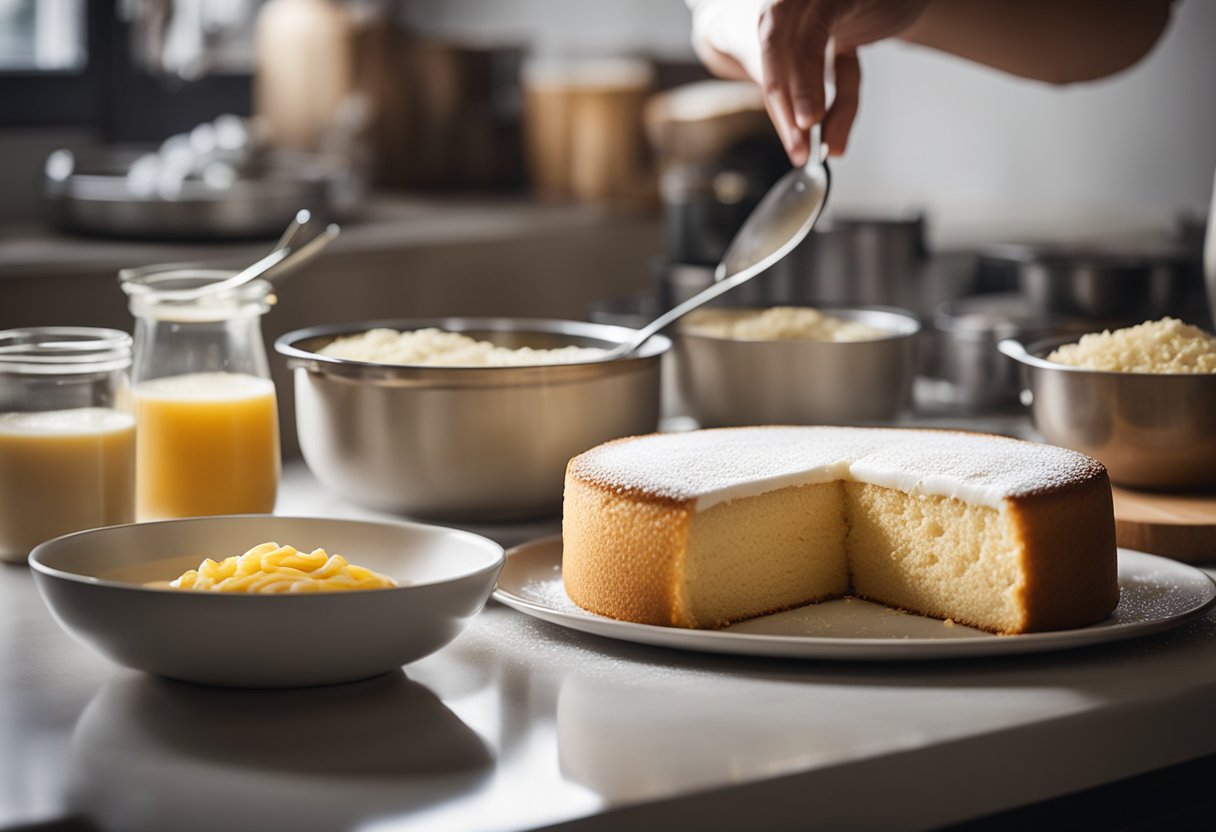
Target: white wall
(987, 154)
(982, 148)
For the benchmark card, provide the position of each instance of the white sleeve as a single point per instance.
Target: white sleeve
(730, 27)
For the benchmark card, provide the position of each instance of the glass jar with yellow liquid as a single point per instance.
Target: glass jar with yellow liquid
(67, 438)
(207, 438)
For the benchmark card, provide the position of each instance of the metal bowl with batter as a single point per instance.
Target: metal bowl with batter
(1150, 430)
(728, 381)
(466, 443)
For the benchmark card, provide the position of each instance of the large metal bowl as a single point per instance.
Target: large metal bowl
(466, 443)
(728, 381)
(1150, 430)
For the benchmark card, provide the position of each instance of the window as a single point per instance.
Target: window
(42, 35)
(130, 70)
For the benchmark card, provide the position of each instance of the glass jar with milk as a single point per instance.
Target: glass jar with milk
(67, 437)
(208, 436)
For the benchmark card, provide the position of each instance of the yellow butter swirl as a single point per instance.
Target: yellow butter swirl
(271, 568)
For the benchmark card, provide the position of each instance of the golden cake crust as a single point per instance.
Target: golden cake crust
(625, 545)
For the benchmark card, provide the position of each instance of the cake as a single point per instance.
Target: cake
(705, 528)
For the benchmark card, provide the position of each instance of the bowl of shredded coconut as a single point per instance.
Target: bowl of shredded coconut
(1142, 399)
(796, 365)
(469, 419)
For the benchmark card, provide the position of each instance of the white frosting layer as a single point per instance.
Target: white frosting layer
(714, 466)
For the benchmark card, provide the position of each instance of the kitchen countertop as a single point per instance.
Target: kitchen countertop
(519, 724)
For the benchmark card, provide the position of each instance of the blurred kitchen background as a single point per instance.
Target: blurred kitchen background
(568, 158)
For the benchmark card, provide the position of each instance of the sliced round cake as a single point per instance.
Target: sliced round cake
(705, 528)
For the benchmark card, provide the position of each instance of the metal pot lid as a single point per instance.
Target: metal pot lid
(1110, 255)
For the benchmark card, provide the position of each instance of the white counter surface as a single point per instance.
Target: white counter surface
(520, 724)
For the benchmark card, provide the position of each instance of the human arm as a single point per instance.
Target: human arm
(784, 46)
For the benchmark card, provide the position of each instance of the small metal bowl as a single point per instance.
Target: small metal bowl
(727, 381)
(475, 444)
(1150, 430)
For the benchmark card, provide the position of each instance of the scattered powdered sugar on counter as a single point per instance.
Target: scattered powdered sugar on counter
(550, 593)
(713, 466)
(438, 348)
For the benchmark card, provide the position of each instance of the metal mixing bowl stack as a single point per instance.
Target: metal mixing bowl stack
(466, 443)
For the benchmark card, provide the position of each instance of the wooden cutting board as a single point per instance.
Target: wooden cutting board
(1180, 526)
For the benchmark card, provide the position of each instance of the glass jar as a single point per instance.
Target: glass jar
(208, 430)
(67, 436)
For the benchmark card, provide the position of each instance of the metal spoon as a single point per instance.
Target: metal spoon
(281, 260)
(302, 255)
(242, 277)
(302, 218)
(781, 221)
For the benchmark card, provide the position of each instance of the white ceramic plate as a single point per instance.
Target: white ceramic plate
(1155, 594)
(94, 584)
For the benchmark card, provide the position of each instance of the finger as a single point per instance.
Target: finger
(775, 52)
(839, 121)
(811, 34)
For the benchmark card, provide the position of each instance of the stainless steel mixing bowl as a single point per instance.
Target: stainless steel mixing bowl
(1150, 430)
(727, 381)
(466, 443)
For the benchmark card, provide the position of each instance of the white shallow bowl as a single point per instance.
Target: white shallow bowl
(93, 582)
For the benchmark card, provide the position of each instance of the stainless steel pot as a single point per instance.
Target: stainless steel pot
(1106, 284)
(466, 443)
(725, 381)
(94, 198)
(1150, 430)
(843, 262)
(964, 351)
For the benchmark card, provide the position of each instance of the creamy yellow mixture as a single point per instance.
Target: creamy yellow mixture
(1164, 346)
(439, 348)
(777, 324)
(271, 568)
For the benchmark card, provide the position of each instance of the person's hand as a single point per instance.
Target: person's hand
(794, 49)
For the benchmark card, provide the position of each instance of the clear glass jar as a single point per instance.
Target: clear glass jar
(208, 430)
(67, 436)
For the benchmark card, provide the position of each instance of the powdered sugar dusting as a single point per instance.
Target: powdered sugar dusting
(713, 466)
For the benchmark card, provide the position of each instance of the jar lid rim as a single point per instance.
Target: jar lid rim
(64, 349)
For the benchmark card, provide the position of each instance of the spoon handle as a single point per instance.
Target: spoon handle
(676, 312)
(302, 254)
(302, 218)
(818, 153)
(244, 276)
